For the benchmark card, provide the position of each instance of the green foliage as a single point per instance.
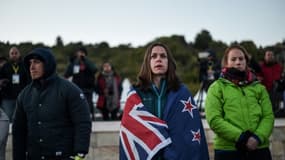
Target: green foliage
(127, 59)
(203, 40)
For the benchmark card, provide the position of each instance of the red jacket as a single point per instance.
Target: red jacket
(100, 87)
(270, 73)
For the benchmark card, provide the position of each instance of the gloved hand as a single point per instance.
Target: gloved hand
(78, 158)
(242, 141)
(252, 143)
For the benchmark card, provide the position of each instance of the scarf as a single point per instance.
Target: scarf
(112, 99)
(238, 77)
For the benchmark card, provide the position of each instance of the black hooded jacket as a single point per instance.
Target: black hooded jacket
(52, 118)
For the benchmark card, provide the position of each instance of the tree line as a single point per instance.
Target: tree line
(127, 59)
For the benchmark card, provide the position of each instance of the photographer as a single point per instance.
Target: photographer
(209, 68)
(83, 71)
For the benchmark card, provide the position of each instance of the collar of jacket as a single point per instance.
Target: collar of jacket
(43, 83)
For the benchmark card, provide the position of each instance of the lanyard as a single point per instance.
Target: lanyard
(15, 68)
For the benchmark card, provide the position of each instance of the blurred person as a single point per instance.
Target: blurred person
(160, 120)
(13, 78)
(271, 72)
(254, 67)
(4, 121)
(239, 111)
(52, 119)
(209, 69)
(3, 60)
(4, 131)
(109, 88)
(83, 71)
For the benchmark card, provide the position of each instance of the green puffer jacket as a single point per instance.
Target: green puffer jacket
(232, 109)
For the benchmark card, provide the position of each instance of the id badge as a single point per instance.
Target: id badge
(76, 69)
(15, 79)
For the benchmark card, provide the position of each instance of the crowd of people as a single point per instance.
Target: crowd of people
(51, 115)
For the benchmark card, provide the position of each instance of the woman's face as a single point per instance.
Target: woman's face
(158, 61)
(236, 59)
(107, 67)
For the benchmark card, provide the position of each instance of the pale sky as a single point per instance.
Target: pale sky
(140, 21)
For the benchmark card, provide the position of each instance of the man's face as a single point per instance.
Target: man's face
(80, 54)
(269, 56)
(36, 69)
(14, 54)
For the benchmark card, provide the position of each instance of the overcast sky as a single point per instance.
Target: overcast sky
(141, 21)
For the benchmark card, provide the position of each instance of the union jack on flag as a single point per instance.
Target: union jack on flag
(179, 134)
(142, 134)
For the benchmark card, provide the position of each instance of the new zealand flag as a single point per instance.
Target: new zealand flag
(179, 133)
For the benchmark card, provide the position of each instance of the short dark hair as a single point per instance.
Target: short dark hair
(82, 49)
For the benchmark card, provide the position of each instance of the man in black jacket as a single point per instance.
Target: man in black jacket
(13, 78)
(52, 117)
(82, 70)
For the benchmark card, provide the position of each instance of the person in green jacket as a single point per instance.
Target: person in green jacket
(239, 111)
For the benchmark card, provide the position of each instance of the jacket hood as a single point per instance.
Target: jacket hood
(46, 56)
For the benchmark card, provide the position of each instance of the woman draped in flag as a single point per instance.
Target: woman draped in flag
(160, 119)
(238, 110)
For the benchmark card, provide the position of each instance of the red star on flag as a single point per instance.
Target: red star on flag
(188, 106)
(196, 136)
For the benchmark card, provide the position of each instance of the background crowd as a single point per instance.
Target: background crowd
(106, 83)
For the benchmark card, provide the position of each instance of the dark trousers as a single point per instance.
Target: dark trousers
(88, 95)
(259, 154)
(109, 115)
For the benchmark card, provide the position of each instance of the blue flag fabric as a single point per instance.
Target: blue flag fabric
(179, 134)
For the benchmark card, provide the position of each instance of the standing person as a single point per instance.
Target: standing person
(271, 73)
(209, 69)
(83, 71)
(4, 121)
(4, 131)
(160, 120)
(52, 117)
(14, 78)
(109, 89)
(3, 82)
(3, 60)
(254, 66)
(238, 110)
(271, 70)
